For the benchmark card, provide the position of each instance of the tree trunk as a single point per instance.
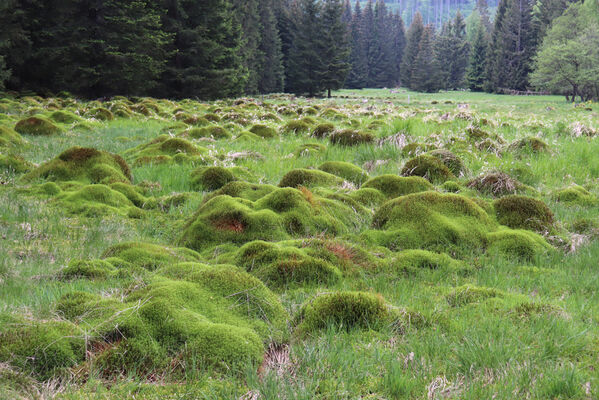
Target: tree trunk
(329, 93)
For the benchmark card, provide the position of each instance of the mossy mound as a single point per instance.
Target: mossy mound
(100, 113)
(191, 314)
(350, 137)
(14, 164)
(309, 178)
(345, 310)
(323, 130)
(276, 216)
(87, 269)
(247, 136)
(414, 260)
(345, 170)
(394, 186)
(148, 256)
(95, 201)
(10, 138)
(64, 117)
(37, 126)
(429, 167)
(214, 131)
(264, 131)
(211, 178)
(521, 212)
(575, 195)
(451, 186)
(468, 294)
(295, 126)
(429, 220)
(309, 149)
(165, 149)
(529, 145)
(451, 161)
(368, 197)
(244, 190)
(85, 165)
(414, 149)
(496, 184)
(45, 349)
(517, 244)
(281, 266)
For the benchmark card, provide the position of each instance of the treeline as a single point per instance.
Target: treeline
(223, 48)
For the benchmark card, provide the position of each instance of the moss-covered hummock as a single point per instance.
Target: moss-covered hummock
(211, 178)
(276, 216)
(350, 137)
(429, 167)
(37, 126)
(323, 130)
(100, 113)
(212, 131)
(10, 138)
(64, 117)
(517, 244)
(345, 170)
(415, 260)
(85, 165)
(496, 184)
(530, 145)
(15, 164)
(263, 131)
(280, 265)
(295, 126)
(309, 178)
(451, 161)
(394, 186)
(165, 149)
(575, 195)
(521, 212)
(346, 310)
(149, 256)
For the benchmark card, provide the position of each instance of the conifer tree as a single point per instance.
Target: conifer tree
(306, 64)
(413, 37)
(347, 14)
(335, 46)
(248, 18)
(270, 69)
(381, 65)
(358, 73)
(452, 52)
(399, 44)
(425, 75)
(475, 76)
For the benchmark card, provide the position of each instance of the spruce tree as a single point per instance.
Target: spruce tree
(425, 75)
(475, 76)
(270, 68)
(248, 18)
(495, 74)
(207, 63)
(381, 63)
(399, 44)
(335, 46)
(306, 65)
(413, 37)
(347, 14)
(452, 52)
(358, 73)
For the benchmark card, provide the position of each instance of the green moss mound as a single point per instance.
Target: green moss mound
(521, 212)
(148, 255)
(368, 197)
(429, 167)
(350, 137)
(281, 266)
(87, 269)
(64, 117)
(44, 349)
(575, 195)
(96, 201)
(323, 130)
(211, 178)
(244, 190)
(37, 126)
(517, 244)
(394, 186)
(345, 309)
(264, 131)
(192, 315)
(10, 138)
(309, 149)
(216, 132)
(429, 220)
(14, 164)
(529, 145)
(451, 161)
(278, 215)
(415, 260)
(468, 294)
(496, 184)
(309, 178)
(345, 170)
(295, 126)
(164, 149)
(85, 165)
(100, 113)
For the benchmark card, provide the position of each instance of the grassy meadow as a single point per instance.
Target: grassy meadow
(377, 245)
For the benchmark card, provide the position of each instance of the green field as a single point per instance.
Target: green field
(382, 244)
